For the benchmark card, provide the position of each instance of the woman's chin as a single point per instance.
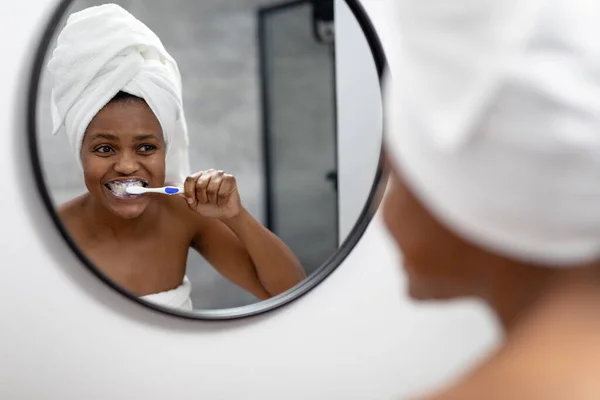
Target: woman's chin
(128, 212)
(128, 208)
(420, 289)
(416, 292)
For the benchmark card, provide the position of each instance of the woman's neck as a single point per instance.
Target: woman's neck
(105, 222)
(532, 290)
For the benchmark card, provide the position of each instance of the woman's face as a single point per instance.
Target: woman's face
(123, 146)
(439, 265)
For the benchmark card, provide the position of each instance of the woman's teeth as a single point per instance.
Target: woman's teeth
(119, 188)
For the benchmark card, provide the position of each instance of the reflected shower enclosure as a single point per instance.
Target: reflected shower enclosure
(296, 45)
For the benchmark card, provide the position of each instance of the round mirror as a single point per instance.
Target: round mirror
(212, 159)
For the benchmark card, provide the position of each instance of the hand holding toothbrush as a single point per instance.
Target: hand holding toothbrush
(213, 194)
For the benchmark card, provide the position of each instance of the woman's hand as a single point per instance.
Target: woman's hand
(213, 194)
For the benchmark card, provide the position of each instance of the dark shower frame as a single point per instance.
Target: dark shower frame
(293, 294)
(263, 58)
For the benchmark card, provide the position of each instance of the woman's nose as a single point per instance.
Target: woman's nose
(126, 163)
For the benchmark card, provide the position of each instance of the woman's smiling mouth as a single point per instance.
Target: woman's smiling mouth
(118, 188)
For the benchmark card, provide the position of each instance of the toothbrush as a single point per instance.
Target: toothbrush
(163, 190)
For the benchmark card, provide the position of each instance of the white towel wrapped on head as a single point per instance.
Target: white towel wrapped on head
(103, 50)
(494, 121)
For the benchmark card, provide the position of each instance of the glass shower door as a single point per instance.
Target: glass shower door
(297, 66)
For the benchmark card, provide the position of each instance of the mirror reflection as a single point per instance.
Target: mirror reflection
(191, 148)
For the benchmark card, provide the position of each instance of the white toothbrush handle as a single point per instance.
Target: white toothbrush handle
(170, 190)
(162, 190)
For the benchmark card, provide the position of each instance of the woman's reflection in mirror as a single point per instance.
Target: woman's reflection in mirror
(141, 242)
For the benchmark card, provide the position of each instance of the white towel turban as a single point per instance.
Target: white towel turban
(103, 50)
(493, 118)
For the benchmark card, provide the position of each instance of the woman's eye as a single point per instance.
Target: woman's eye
(147, 147)
(102, 149)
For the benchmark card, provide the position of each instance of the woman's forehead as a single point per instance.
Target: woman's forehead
(126, 120)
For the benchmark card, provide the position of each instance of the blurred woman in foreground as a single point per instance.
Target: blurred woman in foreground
(494, 150)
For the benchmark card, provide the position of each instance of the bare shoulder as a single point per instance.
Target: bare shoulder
(179, 211)
(200, 230)
(511, 377)
(469, 389)
(70, 211)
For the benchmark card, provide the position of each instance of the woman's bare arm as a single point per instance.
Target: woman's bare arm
(249, 255)
(235, 243)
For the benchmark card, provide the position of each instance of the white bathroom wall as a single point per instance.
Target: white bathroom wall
(65, 335)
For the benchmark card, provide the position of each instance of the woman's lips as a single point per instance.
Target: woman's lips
(118, 188)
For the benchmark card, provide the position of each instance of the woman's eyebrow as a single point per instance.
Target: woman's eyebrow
(106, 136)
(144, 137)
(109, 136)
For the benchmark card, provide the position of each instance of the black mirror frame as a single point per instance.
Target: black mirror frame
(366, 215)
